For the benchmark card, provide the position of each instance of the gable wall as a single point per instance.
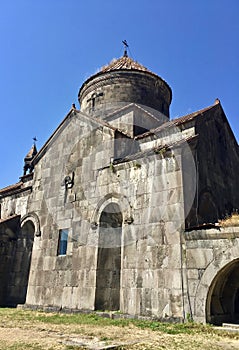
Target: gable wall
(149, 193)
(218, 167)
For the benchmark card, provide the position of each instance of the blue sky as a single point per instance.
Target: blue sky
(49, 47)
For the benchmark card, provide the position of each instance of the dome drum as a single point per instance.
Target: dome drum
(110, 90)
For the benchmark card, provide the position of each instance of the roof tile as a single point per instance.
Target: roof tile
(124, 62)
(16, 186)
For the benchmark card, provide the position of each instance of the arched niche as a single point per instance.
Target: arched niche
(21, 263)
(223, 296)
(33, 218)
(107, 296)
(121, 200)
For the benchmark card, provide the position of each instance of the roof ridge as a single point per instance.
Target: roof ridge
(195, 113)
(105, 123)
(11, 187)
(177, 121)
(97, 121)
(131, 104)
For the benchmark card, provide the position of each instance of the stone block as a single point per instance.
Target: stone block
(89, 278)
(199, 258)
(173, 279)
(176, 303)
(174, 254)
(56, 299)
(192, 286)
(49, 263)
(86, 298)
(67, 297)
(131, 300)
(148, 278)
(192, 274)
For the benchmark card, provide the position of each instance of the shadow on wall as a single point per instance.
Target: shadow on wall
(18, 253)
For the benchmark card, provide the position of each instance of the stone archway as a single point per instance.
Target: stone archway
(107, 296)
(28, 232)
(223, 296)
(34, 220)
(21, 264)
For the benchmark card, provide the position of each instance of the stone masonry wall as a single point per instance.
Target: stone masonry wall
(208, 254)
(149, 193)
(113, 90)
(218, 168)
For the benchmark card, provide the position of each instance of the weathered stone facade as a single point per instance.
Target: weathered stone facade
(117, 203)
(110, 90)
(211, 274)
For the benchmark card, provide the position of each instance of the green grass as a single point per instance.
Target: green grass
(16, 315)
(30, 328)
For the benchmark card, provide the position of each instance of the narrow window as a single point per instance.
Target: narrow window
(62, 243)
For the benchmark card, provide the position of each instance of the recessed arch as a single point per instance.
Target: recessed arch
(35, 221)
(121, 200)
(108, 272)
(209, 277)
(21, 265)
(223, 295)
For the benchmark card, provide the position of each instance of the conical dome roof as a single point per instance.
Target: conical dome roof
(121, 82)
(28, 159)
(31, 154)
(124, 62)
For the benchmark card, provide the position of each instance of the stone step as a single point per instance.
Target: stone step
(231, 325)
(229, 330)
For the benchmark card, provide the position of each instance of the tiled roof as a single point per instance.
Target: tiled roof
(9, 218)
(31, 153)
(124, 62)
(10, 188)
(191, 116)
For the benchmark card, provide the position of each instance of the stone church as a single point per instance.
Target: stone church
(126, 209)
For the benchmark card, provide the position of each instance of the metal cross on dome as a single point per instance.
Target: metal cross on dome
(125, 47)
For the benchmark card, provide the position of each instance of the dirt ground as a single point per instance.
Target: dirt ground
(27, 334)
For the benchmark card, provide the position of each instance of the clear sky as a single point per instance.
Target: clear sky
(49, 47)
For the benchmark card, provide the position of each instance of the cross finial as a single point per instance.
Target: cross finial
(34, 139)
(125, 48)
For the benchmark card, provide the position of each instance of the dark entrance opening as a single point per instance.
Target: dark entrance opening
(223, 296)
(107, 296)
(236, 304)
(18, 283)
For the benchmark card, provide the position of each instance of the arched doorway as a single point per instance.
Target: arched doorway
(223, 296)
(21, 264)
(107, 296)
